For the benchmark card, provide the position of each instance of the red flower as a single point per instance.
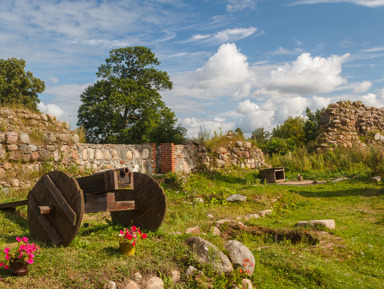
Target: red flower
(134, 228)
(144, 236)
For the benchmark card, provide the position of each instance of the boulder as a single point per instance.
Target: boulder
(329, 224)
(154, 283)
(236, 198)
(207, 253)
(240, 255)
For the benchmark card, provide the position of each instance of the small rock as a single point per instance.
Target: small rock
(138, 277)
(246, 284)
(175, 275)
(190, 271)
(215, 231)
(252, 216)
(264, 213)
(155, 283)
(110, 285)
(329, 224)
(199, 200)
(376, 179)
(209, 216)
(220, 222)
(236, 198)
(131, 285)
(194, 231)
(15, 183)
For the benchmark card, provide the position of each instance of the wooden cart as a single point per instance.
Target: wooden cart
(58, 201)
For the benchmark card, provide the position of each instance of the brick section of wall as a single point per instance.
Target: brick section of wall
(167, 158)
(153, 158)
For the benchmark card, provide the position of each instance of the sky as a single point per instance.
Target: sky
(233, 63)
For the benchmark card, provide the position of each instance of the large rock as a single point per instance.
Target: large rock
(207, 253)
(240, 255)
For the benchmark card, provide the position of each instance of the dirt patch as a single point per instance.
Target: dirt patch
(296, 236)
(302, 183)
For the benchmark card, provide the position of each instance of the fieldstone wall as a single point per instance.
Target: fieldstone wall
(348, 123)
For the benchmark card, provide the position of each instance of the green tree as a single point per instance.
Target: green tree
(125, 105)
(18, 86)
(292, 128)
(261, 136)
(312, 124)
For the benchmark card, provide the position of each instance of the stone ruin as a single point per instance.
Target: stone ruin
(347, 124)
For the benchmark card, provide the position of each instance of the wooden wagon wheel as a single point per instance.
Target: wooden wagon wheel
(55, 208)
(150, 204)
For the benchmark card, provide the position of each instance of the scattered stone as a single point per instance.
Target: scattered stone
(339, 180)
(241, 255)
(24, 138)
(207, 253)
(215, 231)
(193, 231)
(199, 200)
(110, 285)
(15, 182)
(264, 213)
(138, 277)
(376, 179)
(131, 285)
(220, 222)
(154, 283)
(236, 198)
(252, 216)
(246, 284)
(175, 275)
(209, 216)
(190, 271)
(329, 224)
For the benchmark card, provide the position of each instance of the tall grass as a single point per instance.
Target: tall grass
(367, 161)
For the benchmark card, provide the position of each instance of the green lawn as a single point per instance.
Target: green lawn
(351, 256)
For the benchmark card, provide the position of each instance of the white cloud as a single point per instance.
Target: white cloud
(67, 97)
(225, 68)
(308, 75)
(362, 87)
(51, 108)
(284, 51)
(373, 99)
(368, 3)
(240, 5)
(196, 126)
(228, 35)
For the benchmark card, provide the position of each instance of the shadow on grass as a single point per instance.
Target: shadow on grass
(341, 193)
(15, 220)
(111, 251)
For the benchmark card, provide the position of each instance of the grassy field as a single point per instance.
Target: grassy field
(351, 256)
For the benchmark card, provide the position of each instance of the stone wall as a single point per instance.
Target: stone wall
(347, 124)
(33, 143)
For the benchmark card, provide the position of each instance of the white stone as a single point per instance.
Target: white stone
(128, 155)
(329, 224)
(131, 285)
(145, 154)
(111, 285)
(215, 231)
(154, 283)
(24, 138)
(264, 213)
(99, 155)
(175, 275)
(236, 198)
(252, 216)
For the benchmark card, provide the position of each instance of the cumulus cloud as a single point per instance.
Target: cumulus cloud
(376, 100)
(308, 75)
(362, 87)
(227, 67)
(203, 126)
(51, 109)
(368, 3)
(228, 35)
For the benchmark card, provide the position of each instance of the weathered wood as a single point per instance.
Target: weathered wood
(47, 227)
(59, 191)
(106, 203)
(13, 205)
(107, 181)
(150, 204)
(59, 199)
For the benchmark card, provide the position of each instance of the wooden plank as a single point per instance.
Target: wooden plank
(60, 200)
(11, 205)
(48, 228)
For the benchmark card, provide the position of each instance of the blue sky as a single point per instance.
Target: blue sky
(234, 63)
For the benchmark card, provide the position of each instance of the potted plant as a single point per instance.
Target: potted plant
(18, 258)
(128, 239)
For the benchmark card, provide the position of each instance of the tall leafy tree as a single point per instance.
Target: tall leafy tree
(124, 105)
(312, 124)
(18, 86)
